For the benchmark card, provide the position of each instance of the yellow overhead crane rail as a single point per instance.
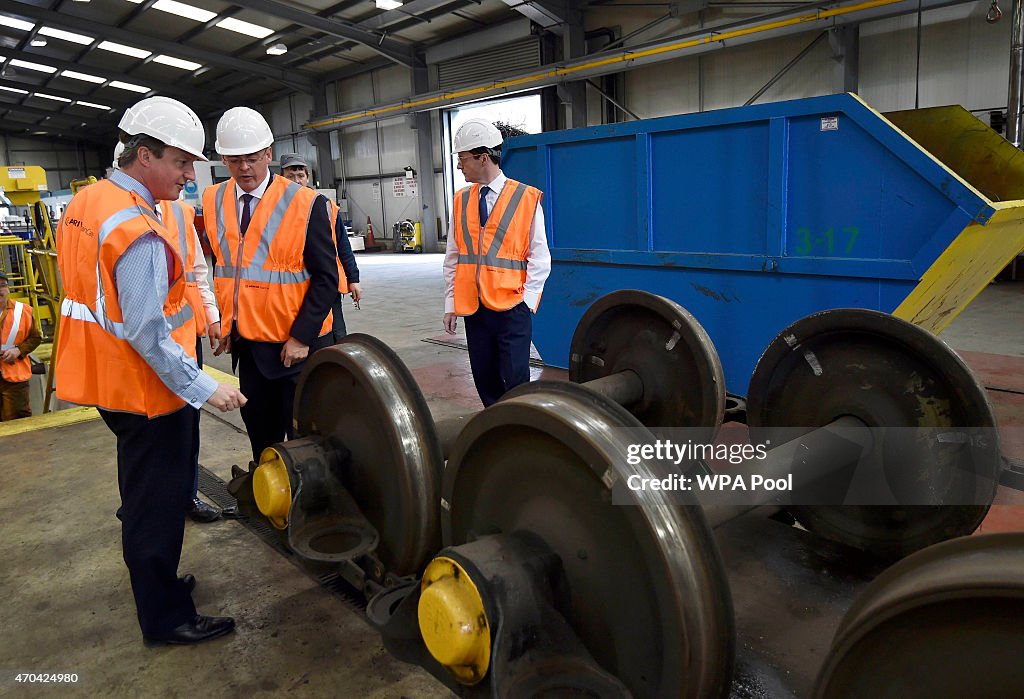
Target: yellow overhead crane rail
(623, 58)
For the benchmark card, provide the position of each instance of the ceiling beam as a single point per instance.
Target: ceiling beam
(396, 51)
(769, 26)
(297, 81)
(112, 100)
(64, 116)
(182, 92)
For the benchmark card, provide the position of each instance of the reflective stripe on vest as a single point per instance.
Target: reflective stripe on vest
(81, 311)
(490, 258)
(95, 363)
(16, 313)
(21, 368)
(254, 270)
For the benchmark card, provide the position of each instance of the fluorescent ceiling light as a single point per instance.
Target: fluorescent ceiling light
(38, 41)
(51, 97)
(277, 50)
(182, 10)
(31, 66)
(16, 24)
(128, 86)
(13, 89)
(66, 36)
(75, 75)
(124, 50)
(177, 62)
(247, 28)
(92, 104)
(388, 4)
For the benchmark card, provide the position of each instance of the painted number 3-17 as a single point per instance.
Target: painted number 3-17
(827, 243)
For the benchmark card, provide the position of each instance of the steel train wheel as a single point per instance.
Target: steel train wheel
(887, 373)
(684, 385)
(943, 622)
(361, 395)
(649, 596)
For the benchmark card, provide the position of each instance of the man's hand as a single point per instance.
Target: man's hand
(355, 290)
(450, 321)
(293, 352)
(227, 398)
(223, 345)
(213, 332)
(11, 355)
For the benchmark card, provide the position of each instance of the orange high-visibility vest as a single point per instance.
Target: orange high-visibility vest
(95, 363)
(492, 258)
(342, 279)
(179, 220)
(13, 331)
(261, 283)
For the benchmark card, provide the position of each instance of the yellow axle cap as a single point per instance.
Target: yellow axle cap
(453, 622)
(272, 489)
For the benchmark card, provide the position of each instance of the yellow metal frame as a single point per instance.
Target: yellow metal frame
(994, 168)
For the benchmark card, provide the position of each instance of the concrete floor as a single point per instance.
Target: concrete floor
(67, 602)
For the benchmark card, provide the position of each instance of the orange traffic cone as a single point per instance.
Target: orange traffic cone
(370, 242)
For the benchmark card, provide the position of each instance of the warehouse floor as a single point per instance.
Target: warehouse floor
(67, 601)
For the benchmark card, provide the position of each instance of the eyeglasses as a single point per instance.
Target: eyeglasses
(463, 158)
(251, 161)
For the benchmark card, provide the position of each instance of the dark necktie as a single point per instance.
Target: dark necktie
(246, 216)
(483, 205)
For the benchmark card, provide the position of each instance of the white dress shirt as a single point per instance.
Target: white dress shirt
(538, 260)
(256, 195)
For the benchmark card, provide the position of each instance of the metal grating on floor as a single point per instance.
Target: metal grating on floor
(216, 489)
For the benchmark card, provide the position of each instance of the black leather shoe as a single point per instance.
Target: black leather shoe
(202, 512)
(201, 628)
(231, 512)
(189, 581)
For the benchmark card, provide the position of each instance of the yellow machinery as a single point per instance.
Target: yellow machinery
(410, 234)
(28, 253)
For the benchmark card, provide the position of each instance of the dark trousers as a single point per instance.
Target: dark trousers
(268, 413)
(195, 431)
(154, 476)
(14, 400)
(337, 310)
(499, 350)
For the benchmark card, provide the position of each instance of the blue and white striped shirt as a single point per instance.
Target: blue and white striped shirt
(142, 284)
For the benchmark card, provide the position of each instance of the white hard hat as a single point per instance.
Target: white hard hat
(169, 121)
(242, 131)
(118, 149)
(476, 133)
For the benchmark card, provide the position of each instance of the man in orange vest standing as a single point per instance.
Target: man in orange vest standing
(496, 263)
(179, 220)
(126, 343)
(19, 336)
(275, 277)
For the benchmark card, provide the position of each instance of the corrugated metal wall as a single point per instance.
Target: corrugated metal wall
(964, 61)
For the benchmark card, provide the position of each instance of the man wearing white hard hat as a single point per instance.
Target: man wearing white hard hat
(496, 263)
(275, 277)
(179, 219)
(127, 341)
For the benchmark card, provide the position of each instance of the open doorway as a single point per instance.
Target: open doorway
(521, 111)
